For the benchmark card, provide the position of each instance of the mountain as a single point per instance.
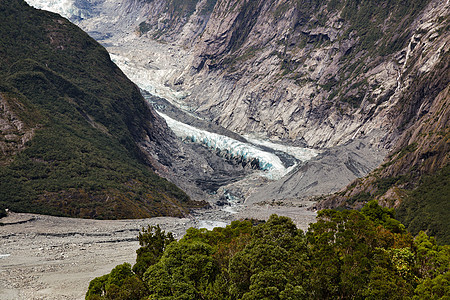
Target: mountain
(328, 73)
(73, 127)
(359, 81)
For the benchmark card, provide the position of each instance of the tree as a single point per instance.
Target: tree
(184, 271)
(272, 264)
(153, 242)
(120, 284)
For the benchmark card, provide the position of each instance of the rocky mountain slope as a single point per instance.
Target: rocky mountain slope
(363, 78)
(326, 73)
(321, 72)
(414, 177)
(73, 126)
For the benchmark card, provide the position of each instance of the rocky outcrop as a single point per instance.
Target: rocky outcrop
(14, 130)
(421, 150)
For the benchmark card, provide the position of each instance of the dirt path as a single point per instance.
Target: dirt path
(43, 257)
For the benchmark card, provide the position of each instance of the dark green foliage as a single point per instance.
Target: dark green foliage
(153, 242)
(272, 265)
(185, 271)
(244, 23)
(88, 117)
(360, 197)
(365, 18)
(120, 284)
(183, 8)
(344, 255)
(428, 206)
(97, 288)
(436, 288)
(219, 235)
(144, 27)
(3, 211)
(382, 216)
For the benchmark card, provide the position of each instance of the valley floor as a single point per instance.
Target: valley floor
(55, 258)
(44, 257)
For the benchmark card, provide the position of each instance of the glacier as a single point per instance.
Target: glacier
(268, 162)
(144, 77)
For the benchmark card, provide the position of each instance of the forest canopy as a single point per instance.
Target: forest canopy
(348, 254)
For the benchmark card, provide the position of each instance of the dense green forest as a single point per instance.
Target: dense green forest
(346, 254)
(85, 118)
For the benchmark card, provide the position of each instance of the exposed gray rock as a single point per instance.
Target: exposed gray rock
(325, 174)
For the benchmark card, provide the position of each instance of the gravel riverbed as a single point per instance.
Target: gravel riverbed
(55, 258)
(44, 257)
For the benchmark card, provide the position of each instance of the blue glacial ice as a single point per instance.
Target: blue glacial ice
(268, 162)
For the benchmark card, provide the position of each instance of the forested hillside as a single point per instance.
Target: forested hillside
(345, 255)
(70, 124)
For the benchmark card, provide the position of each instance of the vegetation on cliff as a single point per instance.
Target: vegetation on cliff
(344, 255)
(82, 117)
(414, 177)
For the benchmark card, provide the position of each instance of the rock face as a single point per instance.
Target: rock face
(421, 150)
(320, 74)
(15, 131)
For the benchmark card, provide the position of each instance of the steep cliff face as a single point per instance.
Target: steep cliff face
(322, 72)
(414, 177)
(421, 150)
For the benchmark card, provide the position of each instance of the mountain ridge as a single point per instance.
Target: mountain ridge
(75, 121)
